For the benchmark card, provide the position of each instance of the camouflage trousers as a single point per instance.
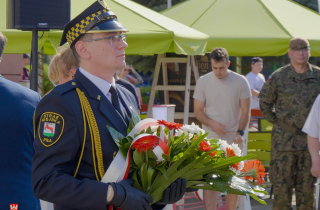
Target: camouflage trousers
(290, 170)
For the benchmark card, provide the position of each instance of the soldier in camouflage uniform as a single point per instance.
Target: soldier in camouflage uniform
(285, 100)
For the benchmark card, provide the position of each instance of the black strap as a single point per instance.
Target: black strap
(116, 102)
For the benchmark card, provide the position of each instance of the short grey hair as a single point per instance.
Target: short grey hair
(3, 42)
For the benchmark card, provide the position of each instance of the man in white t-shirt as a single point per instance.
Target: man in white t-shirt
(256, 80)
(222, 105)
(311, 127)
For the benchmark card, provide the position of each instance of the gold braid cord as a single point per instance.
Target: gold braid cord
(95, 135)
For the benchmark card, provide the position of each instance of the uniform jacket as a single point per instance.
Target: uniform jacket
(17, 105)
(56, 157)
(292, 96)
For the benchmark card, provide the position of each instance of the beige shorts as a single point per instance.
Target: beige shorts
(229, 137)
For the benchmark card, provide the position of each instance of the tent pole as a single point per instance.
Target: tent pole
(34, 57)
(238, 64)
(187, 92)
(154, 84)
(165, 82)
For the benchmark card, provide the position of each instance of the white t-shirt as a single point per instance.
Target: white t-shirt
(222, 98)
(256, 82)
(311, 126)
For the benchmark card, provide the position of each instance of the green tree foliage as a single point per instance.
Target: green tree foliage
(143, 64)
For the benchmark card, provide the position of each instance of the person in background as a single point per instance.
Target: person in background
(286, 100)
(128, 86)
(25, 71)
(256, 80)
(16, 136)
(312, 129)
(73, 147)
(124, 74)
(63, 66)
(222, 105)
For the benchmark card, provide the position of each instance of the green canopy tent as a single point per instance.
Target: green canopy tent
(149, 32)
(250, 27)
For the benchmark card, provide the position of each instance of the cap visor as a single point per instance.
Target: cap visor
(109, 26)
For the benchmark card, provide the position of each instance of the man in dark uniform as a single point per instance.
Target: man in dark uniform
(286, 100)
(17, 105)
(73, 148)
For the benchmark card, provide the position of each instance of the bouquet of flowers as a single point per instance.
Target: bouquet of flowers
(156, 156)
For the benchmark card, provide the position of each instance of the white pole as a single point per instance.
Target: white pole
(318, 6)
(169, 3)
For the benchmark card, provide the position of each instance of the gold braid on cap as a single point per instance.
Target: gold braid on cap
(84, 25)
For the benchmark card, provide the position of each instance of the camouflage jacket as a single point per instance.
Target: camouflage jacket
(288, 96)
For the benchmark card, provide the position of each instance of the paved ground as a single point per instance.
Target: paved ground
(255, 205)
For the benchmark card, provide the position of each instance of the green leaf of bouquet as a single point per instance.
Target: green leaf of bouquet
(136, 183)
(163, 171)
(258, 199)
(166, 131)
(166, 157)
(149, 130)
(130, 127)
(232, 160)
(116, 136)
(151, 155)
(138, 158)
(150, 176)
(144, 176)
(134, 117)
(194, 183)
(158, 131)
(172, 177)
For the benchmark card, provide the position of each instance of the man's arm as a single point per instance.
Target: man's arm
(254, 93)
(204, 119)
(313, 145)
(244, 118)
(267, 98)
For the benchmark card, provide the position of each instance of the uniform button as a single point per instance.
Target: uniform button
(73, 83)
(99, 97)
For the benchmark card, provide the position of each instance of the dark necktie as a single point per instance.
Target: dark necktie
(116, 102)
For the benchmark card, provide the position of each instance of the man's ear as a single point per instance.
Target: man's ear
(228, 64)
(289, 53)
(82, 50)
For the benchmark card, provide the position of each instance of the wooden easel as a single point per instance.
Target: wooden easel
(163, 60)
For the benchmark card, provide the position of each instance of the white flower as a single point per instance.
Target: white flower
(236, 149)
(191, 129)
(223, 145)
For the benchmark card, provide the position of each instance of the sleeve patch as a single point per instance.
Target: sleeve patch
(50, 128)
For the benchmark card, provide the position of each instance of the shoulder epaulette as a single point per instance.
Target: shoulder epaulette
(64, 88)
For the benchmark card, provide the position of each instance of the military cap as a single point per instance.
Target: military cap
(298, 43)
(95, 19)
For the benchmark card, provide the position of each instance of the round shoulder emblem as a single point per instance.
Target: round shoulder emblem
(50, 128)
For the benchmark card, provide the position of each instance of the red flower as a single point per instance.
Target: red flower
(230, 153)
(204, 146)
(212, 154)
(171, 125)
(255, 169)
(145, 142)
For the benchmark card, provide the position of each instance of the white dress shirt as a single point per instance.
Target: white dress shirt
(103, 85)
